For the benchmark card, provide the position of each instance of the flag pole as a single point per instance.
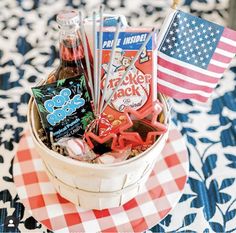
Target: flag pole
(175, 3)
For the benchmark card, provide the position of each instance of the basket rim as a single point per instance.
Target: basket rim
(72, 161)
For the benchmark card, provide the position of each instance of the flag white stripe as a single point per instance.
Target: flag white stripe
(183, 90)
(218, 63)
(185, 78)
(189, 66)
(224, 53)
(228, 41)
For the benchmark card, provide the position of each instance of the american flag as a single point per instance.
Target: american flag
(192, 56)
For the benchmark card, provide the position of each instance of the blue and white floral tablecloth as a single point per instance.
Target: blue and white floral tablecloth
(28, 47)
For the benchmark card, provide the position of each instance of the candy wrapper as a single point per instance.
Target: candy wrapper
(114, 156)
(64, 107)
(77, 149)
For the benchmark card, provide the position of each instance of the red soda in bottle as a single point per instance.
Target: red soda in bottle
(72, 60)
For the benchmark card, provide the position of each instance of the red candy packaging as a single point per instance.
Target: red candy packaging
(138, 89)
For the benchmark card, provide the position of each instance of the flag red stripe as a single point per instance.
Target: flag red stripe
(226, 47)
(229, 33)
(215, 69)
(185, 71)
(179, 95)
(179, 82)
(221, 58)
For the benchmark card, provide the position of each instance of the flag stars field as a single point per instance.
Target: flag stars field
(193, 55)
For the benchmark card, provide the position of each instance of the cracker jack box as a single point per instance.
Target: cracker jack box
(138, 90)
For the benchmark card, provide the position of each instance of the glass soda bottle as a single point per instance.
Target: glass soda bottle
(72, 60)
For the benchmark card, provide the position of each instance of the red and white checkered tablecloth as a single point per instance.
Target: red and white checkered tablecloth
(162, 191)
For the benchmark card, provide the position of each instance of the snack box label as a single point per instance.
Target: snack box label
(64, 107)
(138, 89)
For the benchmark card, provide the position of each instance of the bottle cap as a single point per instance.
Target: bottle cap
(68, 18)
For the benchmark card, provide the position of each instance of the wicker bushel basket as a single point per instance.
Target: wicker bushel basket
(96, 186)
